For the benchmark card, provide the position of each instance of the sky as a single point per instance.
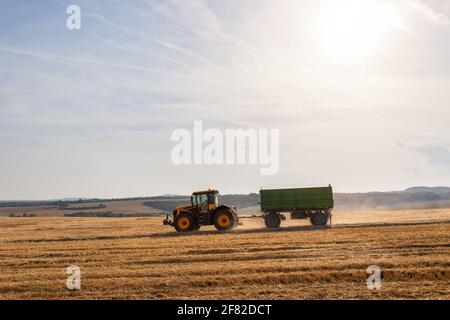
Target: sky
(359, 90)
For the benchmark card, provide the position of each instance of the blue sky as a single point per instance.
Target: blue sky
(360, 103)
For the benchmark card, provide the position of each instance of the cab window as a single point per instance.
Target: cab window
(202, 202)
(213, 199)
(201, 199)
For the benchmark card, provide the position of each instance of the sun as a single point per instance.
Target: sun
(355, 28)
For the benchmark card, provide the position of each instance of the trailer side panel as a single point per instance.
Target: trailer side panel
(297, 199)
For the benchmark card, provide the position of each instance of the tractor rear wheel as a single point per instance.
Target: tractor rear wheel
(272, 220)
(319, 218)
(225, 220)
(184, 222)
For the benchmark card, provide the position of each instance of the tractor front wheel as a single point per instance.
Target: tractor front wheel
(184, 222)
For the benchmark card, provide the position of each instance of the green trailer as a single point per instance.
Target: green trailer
(302, 203)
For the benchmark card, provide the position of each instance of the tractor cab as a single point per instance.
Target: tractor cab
(203, 210)
(207, 200)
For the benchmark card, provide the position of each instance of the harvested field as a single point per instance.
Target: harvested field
(138, 258)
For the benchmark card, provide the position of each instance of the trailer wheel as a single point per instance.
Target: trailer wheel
(225, 220)
(319, 218)
(184, 222)
(272, 220)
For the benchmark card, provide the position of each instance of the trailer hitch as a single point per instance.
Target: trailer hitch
(168, 221)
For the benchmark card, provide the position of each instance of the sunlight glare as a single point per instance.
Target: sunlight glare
(355, 28)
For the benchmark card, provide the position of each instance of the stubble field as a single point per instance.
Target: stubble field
(138, 258)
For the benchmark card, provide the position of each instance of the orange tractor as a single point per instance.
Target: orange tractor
(204, 210)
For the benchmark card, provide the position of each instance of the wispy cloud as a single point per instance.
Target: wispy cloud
(438, 154)
(72, 61)
(426, 11)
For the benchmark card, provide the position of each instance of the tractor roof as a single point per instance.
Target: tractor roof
(205, 191)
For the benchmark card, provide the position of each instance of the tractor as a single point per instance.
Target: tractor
(204, 210)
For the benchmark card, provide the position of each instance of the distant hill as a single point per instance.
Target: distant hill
(411, 198)
(343, 201)
(428, 189)
(391, 200)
